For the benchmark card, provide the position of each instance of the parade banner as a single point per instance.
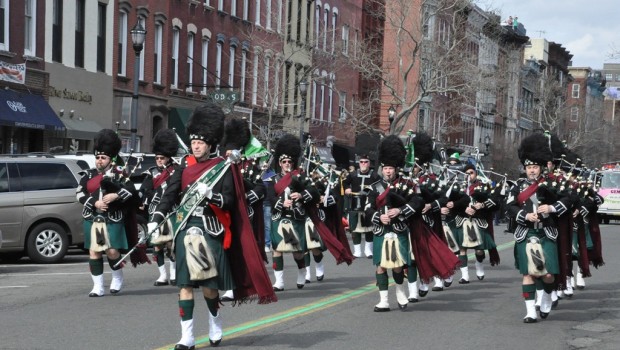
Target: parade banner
(15, 73)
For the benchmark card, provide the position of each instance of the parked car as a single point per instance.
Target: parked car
(39, 215)
(84, 160)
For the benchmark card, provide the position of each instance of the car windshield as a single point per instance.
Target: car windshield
(611, 179)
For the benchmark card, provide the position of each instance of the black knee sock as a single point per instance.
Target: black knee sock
(399, 277)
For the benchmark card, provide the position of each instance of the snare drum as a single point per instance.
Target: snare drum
(356, 202)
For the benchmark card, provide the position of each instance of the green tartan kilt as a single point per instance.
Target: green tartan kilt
(485, 235)
(355, 219)
(298, 225)
(224, 278)
(116, 233)
(404, 249)
(550, 251)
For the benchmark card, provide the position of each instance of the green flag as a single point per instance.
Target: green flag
(254, 149)
(410, 158)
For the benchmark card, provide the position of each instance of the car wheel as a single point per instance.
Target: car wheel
(142, 227)
(47, 243)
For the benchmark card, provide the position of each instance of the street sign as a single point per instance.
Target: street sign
(224, 96)
(242, 109)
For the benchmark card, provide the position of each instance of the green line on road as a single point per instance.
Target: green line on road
(305, 309)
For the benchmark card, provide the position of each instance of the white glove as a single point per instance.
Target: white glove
(151, 226)
(204, 191)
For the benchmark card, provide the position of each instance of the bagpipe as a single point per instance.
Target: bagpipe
(192, 198)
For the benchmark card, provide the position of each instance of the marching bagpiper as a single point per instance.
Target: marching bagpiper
(155, 183)
(535, 203)
(391, 202)
(213, 241)
(356, 184)
(108, 200)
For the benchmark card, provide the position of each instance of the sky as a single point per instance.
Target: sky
(588, 29)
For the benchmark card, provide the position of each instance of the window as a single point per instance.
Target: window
(574, 114)
(122, 44)
(220, 5)
(609, 76)
(345, 39)
(175, 57)
(46, 176)
(279, 29)
(101, 37)
(334, 20)
(331, 97)
(325, 21)
(80, 17)
(298, 20)
(342, 107)
(233, 8)
(246, 9)
(204, 61)
(231, 66)
(4, 24)
(30, 28)
(157, 53)
(244, 57)
(218, 63)
(190, 61)
(617, 77)
(268, 14)
(266, 82)
(207, 3)
(289, 20)
(255, 78)
(317, 25)
(575, 92)
(142, 21)
(257, 13)
(56, 30)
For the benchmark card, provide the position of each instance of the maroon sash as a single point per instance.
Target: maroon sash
(165, 174)
(93, 184)
(193, 172)
(283, 183)
(382, 198)
(527, 193)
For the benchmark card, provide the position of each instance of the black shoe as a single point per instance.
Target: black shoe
(300, 286)
(581, 287)
(114, 291)
(215, 343)
(276, 289)
(159, 284)
(413, 300)
(184, 347)
(173, 282)
(402, 307)
(320, 278)
(381, 309)
(447, 284)
(94, 295)
(226, 298)
(537, 308)
(480, 277)
(544, 314)
(463, 281)
(437, 289)
(529, 320)
(308, 281)
(369, 257)
(554, 305)
(422, 293)
(569, 295)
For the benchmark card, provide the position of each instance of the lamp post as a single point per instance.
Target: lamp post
(138, 33)
(391, 114)
(487, 142)
(303, 88)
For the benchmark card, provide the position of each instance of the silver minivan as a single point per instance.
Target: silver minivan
(39, 215)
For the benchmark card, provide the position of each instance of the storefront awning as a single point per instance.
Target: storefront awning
(81, 129)
(24, 110)
(177, 119)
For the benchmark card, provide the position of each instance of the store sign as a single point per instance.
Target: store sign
(14, 73)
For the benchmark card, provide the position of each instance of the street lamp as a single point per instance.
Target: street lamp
(138, 33)
(303, 89)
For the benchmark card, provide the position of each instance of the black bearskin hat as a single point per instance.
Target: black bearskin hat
(165, 143)
(558, 149)
(288, 148)
(423, 147)
(107, 143)
(392, 152)
(206, 124)
(534, 150)
(469, 167)
(236, 134)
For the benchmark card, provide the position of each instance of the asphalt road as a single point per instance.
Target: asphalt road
(46, 307)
